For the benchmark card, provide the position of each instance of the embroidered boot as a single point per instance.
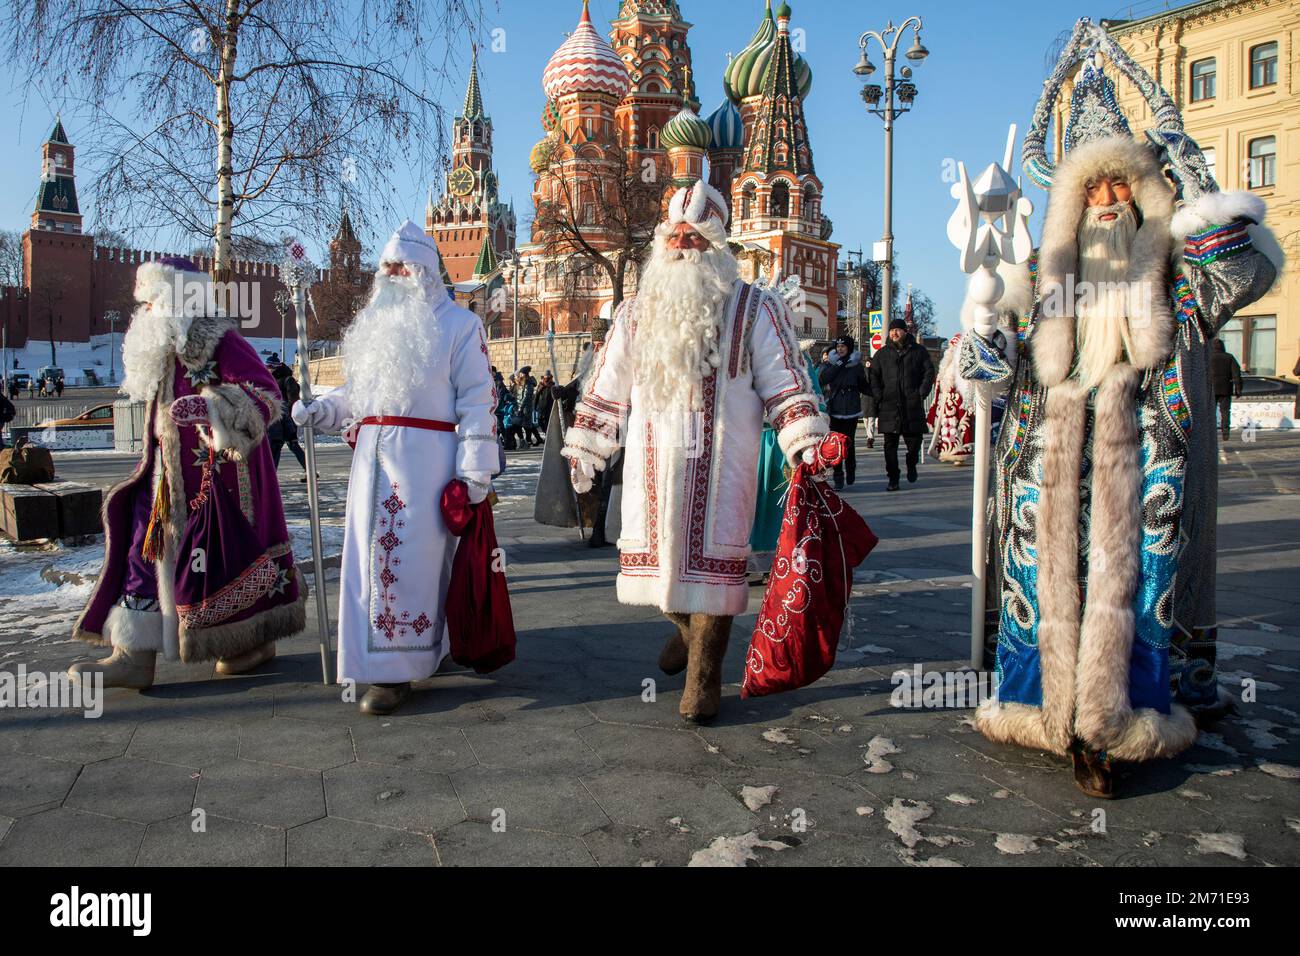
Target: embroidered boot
(673, 658)
(382, 699)
(702, 694)
(122, 668)
(245, 662)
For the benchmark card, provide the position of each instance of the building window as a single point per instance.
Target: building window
(1211, 162)
(1263, 65)
(747, 201)
(781, 200)
(1203, 72)
(1263, 162)
(1252, 340)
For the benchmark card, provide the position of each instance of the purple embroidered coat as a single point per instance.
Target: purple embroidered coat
(259, 598)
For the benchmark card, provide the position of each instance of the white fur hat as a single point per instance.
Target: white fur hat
(409, 244)
(159, 281)
(696, 204)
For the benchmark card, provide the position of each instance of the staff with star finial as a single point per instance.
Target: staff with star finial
(298, 272)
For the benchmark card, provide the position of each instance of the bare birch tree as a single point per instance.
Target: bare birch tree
(208, 113)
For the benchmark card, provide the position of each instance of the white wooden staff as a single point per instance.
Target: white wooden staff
(990, 225)
(298, 273)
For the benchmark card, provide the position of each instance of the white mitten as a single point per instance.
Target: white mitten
(479, 484)
(312, 414)
(582, 474)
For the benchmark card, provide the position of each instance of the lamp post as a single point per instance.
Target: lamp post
(511, 270)
(903, 92)
(112, 315)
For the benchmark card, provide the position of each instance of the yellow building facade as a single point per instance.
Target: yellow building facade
(1233, 68)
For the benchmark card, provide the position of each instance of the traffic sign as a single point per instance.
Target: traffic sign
(877, 341)
(876, 321)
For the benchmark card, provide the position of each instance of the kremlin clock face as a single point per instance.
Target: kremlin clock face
(461, 181)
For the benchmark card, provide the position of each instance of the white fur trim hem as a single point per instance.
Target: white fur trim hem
(1146, 735)
(725, 600)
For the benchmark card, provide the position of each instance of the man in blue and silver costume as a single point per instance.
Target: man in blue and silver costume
(1102, 546)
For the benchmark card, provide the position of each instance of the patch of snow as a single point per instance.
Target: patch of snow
(1280, 770)
(1229, 844)
(1214, 770)
(777, 735)
(757, 797)
(1015, 844)
(902, 817)
(734, 850)
(961, 799)
(1259, 732)
(1226, 651)
(1216, 742)
(877, 749)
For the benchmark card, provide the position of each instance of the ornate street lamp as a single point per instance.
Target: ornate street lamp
(889, 102)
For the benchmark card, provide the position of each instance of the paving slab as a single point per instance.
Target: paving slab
(211, 840)
(331, 841)
(399, 797)
(65, 837)
(132, 789)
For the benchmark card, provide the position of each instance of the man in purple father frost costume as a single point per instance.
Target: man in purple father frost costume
(209, 399)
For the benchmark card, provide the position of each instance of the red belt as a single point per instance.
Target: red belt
(429, 424)
(426, 423)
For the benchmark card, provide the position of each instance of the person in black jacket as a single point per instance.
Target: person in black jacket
(902, 374)
(283, 431)
(1227, 384)
(844, 382)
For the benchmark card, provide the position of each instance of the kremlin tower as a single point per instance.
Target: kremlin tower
(470, 216)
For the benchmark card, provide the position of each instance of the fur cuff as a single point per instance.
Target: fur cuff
(578, 447)
(1149, 734)
(238, 423)
(1016, 724)
(134, 630)
(798, 426)
(593, 433)
(1216, 209)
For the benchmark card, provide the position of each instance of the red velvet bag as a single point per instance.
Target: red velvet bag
(479, 621)
(822, 540)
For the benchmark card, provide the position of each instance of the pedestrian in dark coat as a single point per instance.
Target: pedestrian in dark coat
(844, 381)
(7, 413)
(283, 431)
(902, 374)
(1226, 374)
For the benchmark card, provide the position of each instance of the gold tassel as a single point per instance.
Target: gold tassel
(152, 549)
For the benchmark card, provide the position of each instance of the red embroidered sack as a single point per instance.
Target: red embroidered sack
(822, 540)
(479, 621)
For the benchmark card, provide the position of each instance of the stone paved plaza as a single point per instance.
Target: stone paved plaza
(560, 759)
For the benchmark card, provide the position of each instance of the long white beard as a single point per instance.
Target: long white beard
(1102, 334)
(386, 350)
(678, 312)
(149, 348)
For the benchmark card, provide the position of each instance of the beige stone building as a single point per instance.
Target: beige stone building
(1233, 68)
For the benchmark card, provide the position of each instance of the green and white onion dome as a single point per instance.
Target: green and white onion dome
(744, 74)
(686, 129)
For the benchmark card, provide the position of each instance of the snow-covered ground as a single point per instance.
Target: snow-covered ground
(75, 357)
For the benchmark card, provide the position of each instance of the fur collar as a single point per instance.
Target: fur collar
(854, 358)
(1151, 321)
(204, 336)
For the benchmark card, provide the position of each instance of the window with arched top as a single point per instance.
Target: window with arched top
(747, 201)
(780, 199)
(652, 138)
(809, 210)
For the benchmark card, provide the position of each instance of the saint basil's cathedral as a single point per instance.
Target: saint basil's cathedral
(625, 108)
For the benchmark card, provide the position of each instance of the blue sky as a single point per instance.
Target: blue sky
(986, 66)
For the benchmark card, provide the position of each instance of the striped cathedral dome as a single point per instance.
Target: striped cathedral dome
(727, 127)
(744, 74)
(686, 129)
(585, 63)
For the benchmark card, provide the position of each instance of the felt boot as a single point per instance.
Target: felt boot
(122, 668)
(673, 658)
(245, 662)
(707, 647)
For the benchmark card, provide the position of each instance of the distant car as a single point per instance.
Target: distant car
(22, 378)
(1268, 386)
(97, 416)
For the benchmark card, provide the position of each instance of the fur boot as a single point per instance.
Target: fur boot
(702, 694)
(123, 668)
(673, 658)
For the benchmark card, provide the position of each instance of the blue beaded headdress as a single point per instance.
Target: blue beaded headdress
(1094, 112)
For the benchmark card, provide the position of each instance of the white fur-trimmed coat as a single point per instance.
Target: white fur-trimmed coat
(690, 479)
